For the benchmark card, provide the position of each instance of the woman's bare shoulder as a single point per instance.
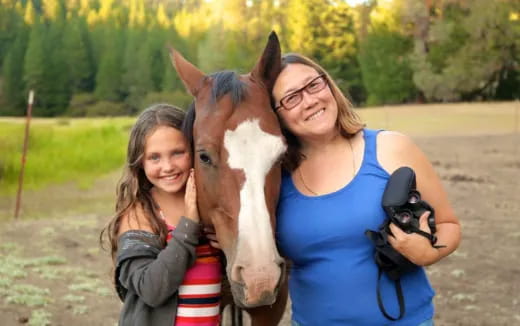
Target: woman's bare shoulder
(395, 149)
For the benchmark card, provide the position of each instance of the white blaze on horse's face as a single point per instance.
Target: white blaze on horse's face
(257, 262)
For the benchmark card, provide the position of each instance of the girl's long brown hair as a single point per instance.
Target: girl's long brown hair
(133, 190)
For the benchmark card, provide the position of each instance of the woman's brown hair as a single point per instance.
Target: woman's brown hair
(133, 190)
(348, 122)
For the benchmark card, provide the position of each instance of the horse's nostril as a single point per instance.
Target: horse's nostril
(281, 264)
(236, 274)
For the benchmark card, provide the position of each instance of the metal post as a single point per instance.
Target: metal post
(24, 153)
(517, 107)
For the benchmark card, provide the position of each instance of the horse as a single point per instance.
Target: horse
(238, 145)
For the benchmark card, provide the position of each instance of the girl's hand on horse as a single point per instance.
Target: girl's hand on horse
(190, 198)
(209, 232)
(413, 246)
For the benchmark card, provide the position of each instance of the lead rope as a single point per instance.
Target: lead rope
(236, 315)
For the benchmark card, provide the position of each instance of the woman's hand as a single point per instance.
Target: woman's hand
(190, 198)
(398, 150)
(209, 232)
(417, 248)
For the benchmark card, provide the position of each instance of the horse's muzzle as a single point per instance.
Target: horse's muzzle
(257, 286)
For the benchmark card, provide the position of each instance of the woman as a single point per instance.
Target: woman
(336, 172)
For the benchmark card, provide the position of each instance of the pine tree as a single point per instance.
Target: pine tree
(13, 84)
(302, 17)
(335, 47)
(387, 74)
(10, 23)
(108, 77)
(51, 9)
(170, 80)
(211, 54)
(136, 79)
(34, 63)
(80, 61)
(325, 32)
(58, 92)
(161, 17)
(156, 48)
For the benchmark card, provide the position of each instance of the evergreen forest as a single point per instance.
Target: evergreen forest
(110, 57)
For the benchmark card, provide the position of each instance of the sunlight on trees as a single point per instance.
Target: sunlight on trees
(29, 15)
(379, 52)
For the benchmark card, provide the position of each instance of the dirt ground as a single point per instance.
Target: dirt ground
(53, 272)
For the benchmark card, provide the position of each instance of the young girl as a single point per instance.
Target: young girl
(164, 274)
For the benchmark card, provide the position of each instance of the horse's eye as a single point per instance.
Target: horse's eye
(204, 158)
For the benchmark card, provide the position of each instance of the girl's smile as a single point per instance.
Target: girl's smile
(167, 160)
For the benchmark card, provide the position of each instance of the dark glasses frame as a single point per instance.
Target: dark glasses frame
(299, 92)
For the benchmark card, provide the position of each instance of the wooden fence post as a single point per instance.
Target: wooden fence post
(24, 153)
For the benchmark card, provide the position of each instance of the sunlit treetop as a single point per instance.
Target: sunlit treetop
(162, 18)
(29, 14)
(356, 2)
(386, 13)
(50, 9)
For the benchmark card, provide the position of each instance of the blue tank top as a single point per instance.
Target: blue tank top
(333, 277)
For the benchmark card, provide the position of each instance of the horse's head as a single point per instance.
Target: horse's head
(237, 146)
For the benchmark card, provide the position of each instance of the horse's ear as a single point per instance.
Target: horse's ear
(268, 66)
(190, 75)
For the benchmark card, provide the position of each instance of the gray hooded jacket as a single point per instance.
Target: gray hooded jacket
(148, 276)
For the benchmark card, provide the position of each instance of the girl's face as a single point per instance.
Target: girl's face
(167, 159)
(317, 112)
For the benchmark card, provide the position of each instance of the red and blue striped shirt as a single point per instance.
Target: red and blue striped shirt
(199, 293)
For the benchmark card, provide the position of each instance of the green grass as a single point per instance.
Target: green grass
(40, 317)
(61, 150)
(12, 266)
(73, 298)
(78, 150)
(80, 310)
(15, 287)
(28, 295)
(87, 284)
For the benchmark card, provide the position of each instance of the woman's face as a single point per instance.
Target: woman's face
(315, 116)
(167, 159)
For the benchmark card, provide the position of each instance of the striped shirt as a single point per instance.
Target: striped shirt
(199, 293)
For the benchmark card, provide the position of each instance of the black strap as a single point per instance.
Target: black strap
(400, 298)
(236, 315)
(429, 236)
(393, 264)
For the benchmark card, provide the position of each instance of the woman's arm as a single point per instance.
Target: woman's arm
(396, 150)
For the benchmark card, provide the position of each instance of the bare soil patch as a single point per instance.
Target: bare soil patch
(478, 285)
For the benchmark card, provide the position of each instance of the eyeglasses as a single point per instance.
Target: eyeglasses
(291, 100)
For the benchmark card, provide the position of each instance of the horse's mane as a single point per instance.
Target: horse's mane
(224, 82)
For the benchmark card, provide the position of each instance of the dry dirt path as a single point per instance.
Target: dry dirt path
(52, 269)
